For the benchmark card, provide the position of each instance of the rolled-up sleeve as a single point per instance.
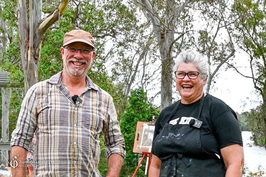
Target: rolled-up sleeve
(114, 140)
(26, 123)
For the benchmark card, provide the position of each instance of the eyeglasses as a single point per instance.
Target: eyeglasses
(191, 75)
(75, 50)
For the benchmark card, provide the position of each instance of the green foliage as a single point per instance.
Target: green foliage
(103, 165)
(107, 83)
(254, 121)
(250, 36)
(243, 121)
(138, 110)
(10, 56)
(8, 13)
(250, 30)
(12, 64)
(14, 107)
(51, 59)
(0, 116)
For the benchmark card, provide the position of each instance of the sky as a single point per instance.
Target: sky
(238, 92)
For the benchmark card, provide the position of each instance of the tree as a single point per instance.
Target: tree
(254, 121)
(250, 35)
(31, 35)
(165, 17)
(176, 27)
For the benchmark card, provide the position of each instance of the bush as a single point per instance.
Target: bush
(138, 110)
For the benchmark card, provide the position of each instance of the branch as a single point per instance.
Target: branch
(255, 81)
(53, 17)
(232, 66)
(145, 4)
(172, 44)
(23, 26)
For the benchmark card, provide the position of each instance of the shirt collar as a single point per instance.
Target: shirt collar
(57, 80)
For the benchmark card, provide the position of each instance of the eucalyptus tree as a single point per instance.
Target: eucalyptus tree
(250, 35)
(32, 28)
(168, 21)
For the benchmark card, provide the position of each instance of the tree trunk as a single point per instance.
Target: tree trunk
(264, 113)
(31, 35)
(164, 31)
(166, 39)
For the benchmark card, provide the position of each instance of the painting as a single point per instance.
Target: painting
(143, 137)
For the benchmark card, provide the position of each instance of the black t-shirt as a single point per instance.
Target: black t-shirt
(219, 129)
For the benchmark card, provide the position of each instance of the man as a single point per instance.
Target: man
(68, 112)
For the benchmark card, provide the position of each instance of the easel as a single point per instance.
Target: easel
(143, 143)
(147, 163)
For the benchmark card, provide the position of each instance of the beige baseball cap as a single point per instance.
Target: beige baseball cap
(78, 36)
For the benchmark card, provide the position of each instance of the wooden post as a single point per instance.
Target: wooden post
(6, 96)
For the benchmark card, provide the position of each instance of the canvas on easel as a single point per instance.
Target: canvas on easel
(143, 137)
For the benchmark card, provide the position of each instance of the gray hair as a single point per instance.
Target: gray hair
(192, 56)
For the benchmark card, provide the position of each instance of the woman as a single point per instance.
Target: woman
(199, 135)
